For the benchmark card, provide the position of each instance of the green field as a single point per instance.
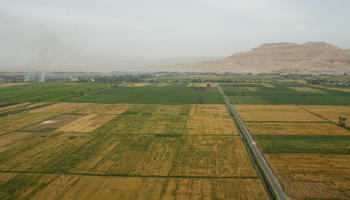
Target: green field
(47, 91)
(152, 94)
(304, 144)
(284, 93)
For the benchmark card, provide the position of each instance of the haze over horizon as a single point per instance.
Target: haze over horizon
(89, 34)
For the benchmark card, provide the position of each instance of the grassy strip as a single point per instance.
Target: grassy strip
(304, 144)
(288, 122)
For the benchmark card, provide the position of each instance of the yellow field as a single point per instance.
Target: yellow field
(275, 113)
(136, 84)
(296, 129)
(214, 189)
(21, 120)
(251, 89)
(131, 151)
(2, 85)
(331, 112)
(196, 157)
(69, 187)
(60, 108)
(13, 139)
(268, 85)
(313, 175)
(110, 109)
(210, 119)
(19, 107)
(162, 84)
(307, 89)
(201, 85)
(87, 123)
(137, 155)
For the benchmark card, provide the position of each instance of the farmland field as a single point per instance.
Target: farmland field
(300, 128)
(47, 91)
(305, 146)
(156, 151)
(322, 144)
(330, 113)
(19, 107)
(313, 175)
(96, 187)
(285, 93)
(210, 119)
(153, 94)
(276, 113)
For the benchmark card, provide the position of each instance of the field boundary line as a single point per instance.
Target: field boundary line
(290, 122)
(128, 134)
(127, 175)
(320, 116)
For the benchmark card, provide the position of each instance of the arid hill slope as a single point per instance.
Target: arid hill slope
(314, 57)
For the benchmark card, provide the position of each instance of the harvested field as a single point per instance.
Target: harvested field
(213, 156)
(268, 85)
(131, 151)
(251, 89)
(60, 108)
(331, 113)
(162, 84)
(52, 124)
(19, 107)
(136, 84)
(44, 154)
(2, 85)
(11, 140)
(210, 119)
(96, 187)
(21, 120)
(313, 175)
(87, 123)
(275, 113)
(214, 189)
(108, 154)
(307, 89)
(296, 129)
(103, 154)
(109, 109)
(144, 124)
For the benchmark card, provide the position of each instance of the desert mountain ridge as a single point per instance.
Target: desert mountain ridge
(311, 57)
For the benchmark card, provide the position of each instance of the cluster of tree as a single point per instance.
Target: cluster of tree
(11, 78)
(123, 78)
(342, 121)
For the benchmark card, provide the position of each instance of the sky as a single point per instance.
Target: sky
(95, 33)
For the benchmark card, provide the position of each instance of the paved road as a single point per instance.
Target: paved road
(260, 159)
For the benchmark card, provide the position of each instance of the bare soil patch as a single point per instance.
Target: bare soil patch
(52, 124)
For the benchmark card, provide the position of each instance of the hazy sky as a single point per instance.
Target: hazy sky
(78, 32)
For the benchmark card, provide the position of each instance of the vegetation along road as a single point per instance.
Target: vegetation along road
(274, 184)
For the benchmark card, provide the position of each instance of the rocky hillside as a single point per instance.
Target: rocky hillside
(312, 57)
